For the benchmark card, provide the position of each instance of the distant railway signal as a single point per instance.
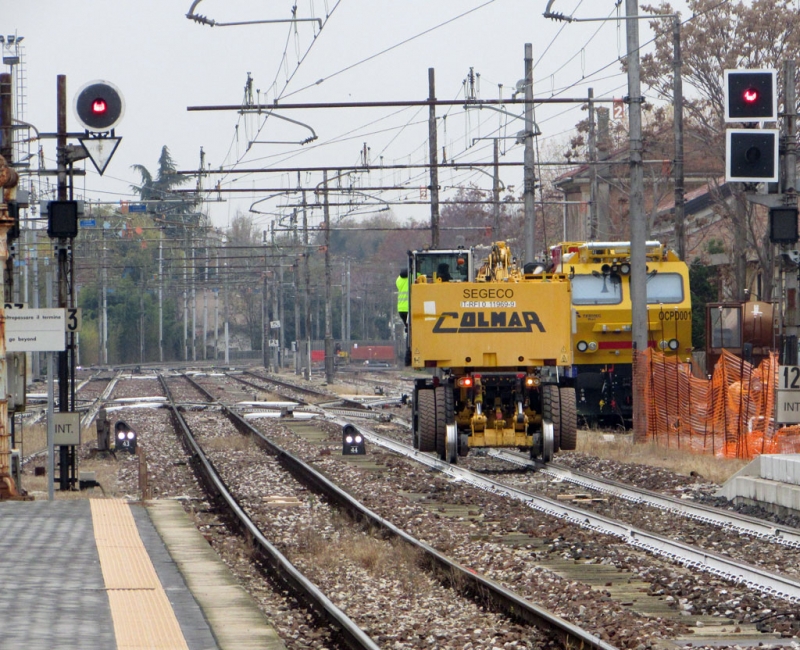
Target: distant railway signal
(99, 106)
(352, 441)
(124, 437)
(751, 96)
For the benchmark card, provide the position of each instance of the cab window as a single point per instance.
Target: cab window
(665, 288)
(449, 267)
(596, 289)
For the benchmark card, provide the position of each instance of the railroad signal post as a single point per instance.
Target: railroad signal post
(99, 107)
(769, 156)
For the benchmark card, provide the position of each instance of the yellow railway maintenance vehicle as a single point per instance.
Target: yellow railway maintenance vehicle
(498, 342)
(602, 340)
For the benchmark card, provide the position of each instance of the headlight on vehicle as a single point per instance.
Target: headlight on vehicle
(582, 346)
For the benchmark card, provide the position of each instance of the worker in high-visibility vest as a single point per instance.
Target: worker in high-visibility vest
(402, 296)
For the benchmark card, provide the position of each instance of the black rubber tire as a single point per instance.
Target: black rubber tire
(427, 420)
(551, 410)
(445, 414)
(569, 419)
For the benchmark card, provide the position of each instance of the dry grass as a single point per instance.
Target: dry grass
(393, 559)
(620, 447)
(229, 443)
(105, 470)
(32, 438)
(344, 389)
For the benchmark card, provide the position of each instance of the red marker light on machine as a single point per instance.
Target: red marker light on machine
(99, 106)
(464, 382)
(750, 95)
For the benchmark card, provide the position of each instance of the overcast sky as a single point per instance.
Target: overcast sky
(367, 50)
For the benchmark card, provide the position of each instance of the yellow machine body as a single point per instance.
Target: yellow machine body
(512, 325)
(499, 341)
(601, 303)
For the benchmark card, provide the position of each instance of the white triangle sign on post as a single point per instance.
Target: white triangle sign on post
(100, 150)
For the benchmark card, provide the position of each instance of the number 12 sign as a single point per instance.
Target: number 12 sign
(787, 404)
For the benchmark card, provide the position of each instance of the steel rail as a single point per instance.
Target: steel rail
(507, 601)
(86, 420)
(331, 399)
(270, 556)
(707, 514)
(692, 557)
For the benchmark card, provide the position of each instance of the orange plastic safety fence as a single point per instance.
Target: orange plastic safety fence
(730, 415)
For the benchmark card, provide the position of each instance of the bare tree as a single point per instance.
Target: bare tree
(721, 36)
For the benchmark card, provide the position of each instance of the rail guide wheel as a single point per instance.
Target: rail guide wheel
(451, 444)
(548, 441)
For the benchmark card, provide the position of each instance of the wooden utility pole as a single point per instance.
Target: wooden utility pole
(496, 189)
(434, 160)
(307, 293)
(639, 318)
(328, 310)
(789, 195)
(529, 177)
(593, 190)
(677, 119)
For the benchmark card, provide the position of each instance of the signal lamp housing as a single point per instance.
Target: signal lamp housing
(125, 437)
(99, 106)
(62, 219)
(751, 96)
(352, 441)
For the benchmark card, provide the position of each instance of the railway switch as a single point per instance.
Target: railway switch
(352, 441)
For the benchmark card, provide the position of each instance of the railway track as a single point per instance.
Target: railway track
(723, 518)
(589, 569)
(735, 571)
(315, 397)
(267, 554)
(500, 598)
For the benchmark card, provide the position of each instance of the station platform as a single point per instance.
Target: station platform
(103, 574)
(771, 481)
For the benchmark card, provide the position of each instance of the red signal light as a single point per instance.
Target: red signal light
(750, 95)
(99, 106)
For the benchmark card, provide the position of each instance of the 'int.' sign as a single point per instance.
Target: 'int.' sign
(67, 428)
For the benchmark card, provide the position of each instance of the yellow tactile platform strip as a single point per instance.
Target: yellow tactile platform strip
(142, 614)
